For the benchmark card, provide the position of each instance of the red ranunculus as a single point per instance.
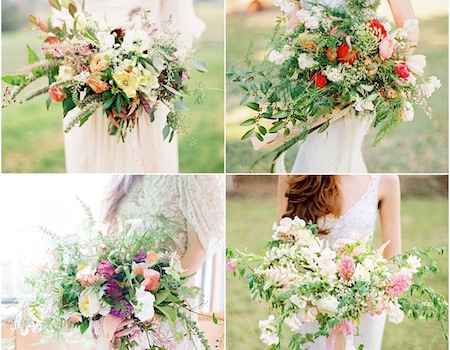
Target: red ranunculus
(378, 28)
(331, 54)
(347, 55)
(319, 79)
(402, 70)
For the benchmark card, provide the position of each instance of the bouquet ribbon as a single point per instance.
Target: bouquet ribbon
(348, 330)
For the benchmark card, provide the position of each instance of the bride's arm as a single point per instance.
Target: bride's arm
(389, 202)
(282, 199)
(402, 10)
(195, 254)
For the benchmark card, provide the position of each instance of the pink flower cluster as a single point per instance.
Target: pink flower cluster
(398, 285)
(347, 268)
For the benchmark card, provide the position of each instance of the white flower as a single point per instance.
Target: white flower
(308, 316)
(148, 77)
(416, 64)
(305, 62)
(433, 84)
(395, 313)
(105, 308)
(175, 270)
(293, 323)
(328, 305)
(144, 309)
(89, 303)
(300, 303)
(310, 21)
(286, 6)
(268, 331)
(285, 225)
(65, 72)
(361, 273)
(298, 222)
(136, 40)
(106, 40)
(369, 264)
(407, 112)
(387, 26)
(333, 74)
(362, 104)
(279, 58)
(414, 263)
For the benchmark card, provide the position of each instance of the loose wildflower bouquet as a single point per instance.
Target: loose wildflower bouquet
(90, 65)
(307, 282)
(114, 283)
(330, 62)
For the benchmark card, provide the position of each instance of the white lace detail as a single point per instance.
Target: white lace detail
(197, 200)
(358, 222)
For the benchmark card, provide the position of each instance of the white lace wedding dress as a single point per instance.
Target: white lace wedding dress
(197, 201)
(90, 148)
(358, 222)
(338, 149)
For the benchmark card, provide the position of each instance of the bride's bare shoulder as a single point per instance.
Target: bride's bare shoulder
(389, 185)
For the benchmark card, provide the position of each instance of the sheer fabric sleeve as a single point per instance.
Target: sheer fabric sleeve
(201, 199)
(182, 11)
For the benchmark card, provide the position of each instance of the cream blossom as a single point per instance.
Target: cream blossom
(279, 57)
(414, 263)
(269, 331)
(395, 313)
(305, 62)
(293, 323)
(363, 104)
(407, 112)
(328, 305)
(286, 6)
(144, 309)
(65, 72)
(416, 64)
(136, 40)
(308, 315)
(310, 21)
(361, 273)
(89, 303)
(106, 40)
(300, 303)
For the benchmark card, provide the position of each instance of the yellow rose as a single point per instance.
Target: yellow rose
(128, 82)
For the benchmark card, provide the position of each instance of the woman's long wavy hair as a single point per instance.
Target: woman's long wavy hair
(311, 197)
(117, 189)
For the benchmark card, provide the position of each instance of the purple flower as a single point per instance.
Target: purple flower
(105, 269)
(113, 290)
(122, 308)
(140, 256)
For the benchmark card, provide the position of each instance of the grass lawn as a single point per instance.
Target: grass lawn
(424, 223)
(32, 137)
(419, 146)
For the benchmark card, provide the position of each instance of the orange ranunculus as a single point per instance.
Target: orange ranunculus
(347, 55)
(97, 85)
(57, 94)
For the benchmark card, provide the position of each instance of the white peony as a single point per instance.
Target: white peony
(328, 305)
(293, 323)
(136, 40)
(414, 263)
(89, 303)
(144, 309)
(407, 112)
(416, 64)
(305, 62)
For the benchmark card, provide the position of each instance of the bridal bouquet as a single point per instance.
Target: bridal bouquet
(308, 282)
(114, 283)
(330, 62)
(90, 65)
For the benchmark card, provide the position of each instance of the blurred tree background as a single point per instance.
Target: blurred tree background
(251, 211)
(32, 137)
(417, 147)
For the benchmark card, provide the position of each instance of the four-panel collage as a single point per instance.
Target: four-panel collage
(224, 174)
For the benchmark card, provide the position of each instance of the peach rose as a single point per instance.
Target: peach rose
(387, 47)
(98, 63)
(87, 277)
(57, 94)
(96, 84)
(151, 278)
(75, 318)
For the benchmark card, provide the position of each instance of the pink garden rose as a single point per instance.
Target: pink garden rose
(151, 278)
(398, 285)
(402, 70)
(105, 269)
(387, 47)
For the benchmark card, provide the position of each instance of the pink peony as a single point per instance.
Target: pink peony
(387, 47)
(151, 278)
(231, 265)
(398, 285)
(105, 269)
(347, 268)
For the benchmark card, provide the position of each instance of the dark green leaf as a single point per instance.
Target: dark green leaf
(262, 129)
(109, 103)
(259, 136)
(13, 79)
(247, 135)
(253, 105)
(280, 115)
(84, 326)
(214, 318)
(277, 126)
(323, 127)
(265, 86)
(119, 102)
(166, 131)
(32, 57)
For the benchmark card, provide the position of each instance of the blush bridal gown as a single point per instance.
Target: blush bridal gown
(90, 149)
(357, 223)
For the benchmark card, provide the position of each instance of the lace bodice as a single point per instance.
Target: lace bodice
(187, 199)
(359, 220)
(336, 150)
